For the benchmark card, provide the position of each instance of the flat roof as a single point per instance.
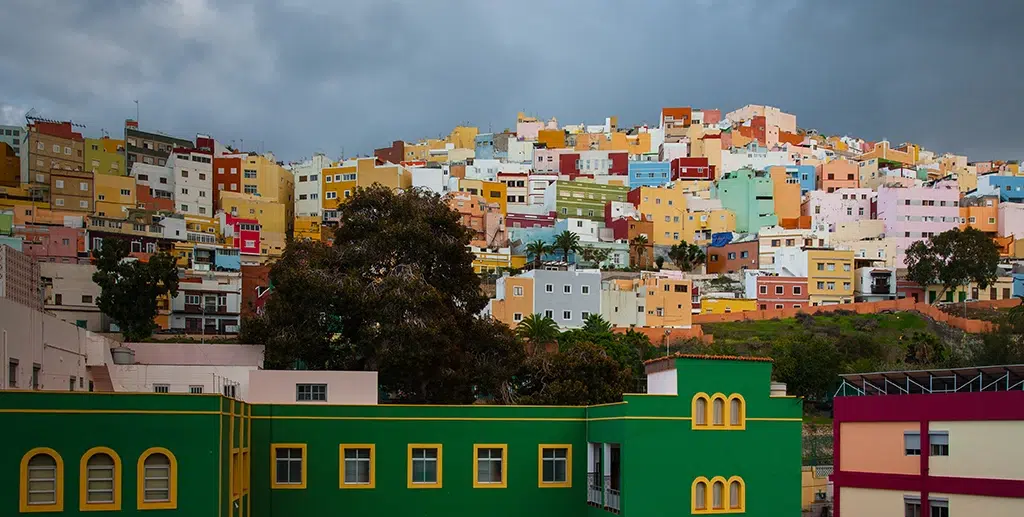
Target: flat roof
(935, 380)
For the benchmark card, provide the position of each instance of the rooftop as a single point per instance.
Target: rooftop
(939, 380)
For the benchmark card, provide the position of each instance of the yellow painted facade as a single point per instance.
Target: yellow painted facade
(699, 225)
(811, 486)
(105, 156)
(726, 305)
(515, 303)
(272, 181)
(551, 138)
(114, 195)
(464, 137)
(337, 185)
(421, 150)
(830, 276)
(666, 208)
(269, 212)
(308, 228)
(490, 261)
(491, 191)
(669, 302)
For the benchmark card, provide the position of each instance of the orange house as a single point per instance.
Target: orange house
(980, 213)
(786, 190)
(551, 138)
(837, 174)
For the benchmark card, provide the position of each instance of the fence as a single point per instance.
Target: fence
(903, 305)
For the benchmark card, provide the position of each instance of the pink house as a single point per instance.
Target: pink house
(549, 160)
(52, 243)
(915, 213)
(245, 233)
(1011, 220)
(829, 209)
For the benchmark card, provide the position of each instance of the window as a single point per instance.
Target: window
(491, 468)
(780, 289)
(821, 266)
(100, 480)
(718, 495)
(331, 195)
(567, 289)
(517, 291)
(310, 392)
(912, 507)
(566, 315)
(161, 388)
(911, 444)
(195, 389)
(938, 443)
(289, 467)
(763, 289)
(549, 288)
(357, 465)
(250, 189)
(797, 289)
(157, 480)
(700, 410)
(736, 494)
(424, 465)
(86, 298)
(555, 466)
(83, 186)
(329, 179)
(737, 411)
(584, 289)
(517, 317)
(846, 267)
(42, 481)
(938, 507)
(58, 183)
(831, 286)
(718, 411)
(83, 204)
(549, 314)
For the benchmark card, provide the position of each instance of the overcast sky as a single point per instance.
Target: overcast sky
(302, 76)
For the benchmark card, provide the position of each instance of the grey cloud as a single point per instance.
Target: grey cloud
(308, 75)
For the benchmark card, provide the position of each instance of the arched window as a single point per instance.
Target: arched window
(700, 494)
(737, 415)
(735, 493)
(100, 480)
(42, 481)
(157, 480)
(718, 411)
(700, 412)
(718, 495)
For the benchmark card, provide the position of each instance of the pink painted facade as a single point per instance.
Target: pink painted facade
(341, 387)
(712, 116)
(52, 243)
(530, 220)
(245, 233)
(549, 160)
(1011, 220)
(916, 213)
(782, 292)
(829, 209)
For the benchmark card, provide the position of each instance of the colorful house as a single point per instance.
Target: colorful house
(750, 195)
(916, 213)
(244, 233)
(115, 195)
(105, 156)
(829, 272)
(717, 305)
(663, 206)
(207, 454)
(582, 198)
(649, 174)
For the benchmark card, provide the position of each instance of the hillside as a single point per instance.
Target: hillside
(747, 335)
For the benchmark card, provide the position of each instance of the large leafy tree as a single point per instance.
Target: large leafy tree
(537, 330)
(595, 255)
(130, 287)
(953, 258)
(686, 256)
(395, 294)
(596, 323)
(567, 242)
(582, 374)
(537, 249)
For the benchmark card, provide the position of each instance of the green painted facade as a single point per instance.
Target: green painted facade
(750, 195)
(584, 199)
(101, 161)
(657, 454)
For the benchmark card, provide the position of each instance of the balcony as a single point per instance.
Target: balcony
(881, 288)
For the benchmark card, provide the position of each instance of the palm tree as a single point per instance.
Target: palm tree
(639, 244)
(537, 249)
(596, 324)
(686, 256)
(538, 330)
(568, 242)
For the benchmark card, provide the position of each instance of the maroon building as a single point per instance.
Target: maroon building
(393, 154)
(255, 289)
(732, 257)
(530, 220)
(692, 169)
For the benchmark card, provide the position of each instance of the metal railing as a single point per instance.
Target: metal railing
(594, 489)
(612, 496)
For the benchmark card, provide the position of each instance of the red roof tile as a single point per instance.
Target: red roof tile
(678, 355)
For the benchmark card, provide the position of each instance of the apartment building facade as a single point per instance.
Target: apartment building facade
(307, 177)
(733, 257)
(105, 156)
(915, 213)
(582, 198)
(567, 297)
(115, 195)
(149, 148)
(750, 195)
(72, 190)
(829, 272)
(70, 294)
(192, 170)
(208, 302)
(52, 146)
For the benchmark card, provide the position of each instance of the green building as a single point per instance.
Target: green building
(709, 439)
(750, 195)
(105, 156)
(583, 199)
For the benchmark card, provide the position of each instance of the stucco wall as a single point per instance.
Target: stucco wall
(864, 502)
(36, 338)
(982, 506)
(877, 447)
(343, 387)
(980, 450)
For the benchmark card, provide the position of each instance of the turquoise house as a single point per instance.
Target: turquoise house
(750, 195)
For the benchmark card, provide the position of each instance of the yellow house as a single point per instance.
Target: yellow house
(669, 302)
(699, 225)
(726, 305)
(786, 191)
(269, 212)
(830, 276)
(307, 228)
(814, 482)
(666, 208)
(262, 176)
(1002, 289)
(551, 138)
(464, 137)
(491, 191)
(421, 150)
(339, 184)
(114, 195)
(105, 156)
(489, 261)
(513, 300)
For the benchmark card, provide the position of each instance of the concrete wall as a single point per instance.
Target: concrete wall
(877, 447)
(876, 503)
(963, 504)
(35, 338)
(977, 449)
(343, 387)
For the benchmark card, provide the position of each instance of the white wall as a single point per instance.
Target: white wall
(663, 383)
(309, 168)
(191, 192)
(520, 152)
(37, 338)
(432, 179)
(343, 387)
(178, 378)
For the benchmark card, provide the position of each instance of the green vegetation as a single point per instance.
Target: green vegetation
(130, 288)
(954, 258)
(745, 335)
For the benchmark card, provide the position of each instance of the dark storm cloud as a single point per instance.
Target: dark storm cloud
(306, 75)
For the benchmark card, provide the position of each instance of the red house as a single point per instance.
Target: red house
(245, 233)
(782, 292)
(692, 169)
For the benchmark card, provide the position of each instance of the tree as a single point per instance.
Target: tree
(595, 255)
(597, 324)
(538, 330)
(584, 374)
(568, 242)
(395, 294)
(953, 258)
(686, 256)
(537, 249)
(808, 364)
(130, 288)
(659, 261)
(639, 244)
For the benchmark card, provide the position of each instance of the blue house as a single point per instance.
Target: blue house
(1018, 284)
(806, 175)
(1008, 188)
(484, 143)
(649, 174)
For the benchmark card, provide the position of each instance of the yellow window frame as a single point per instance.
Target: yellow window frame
(58, 502)
(504, 465)
(273, 466)
(440, 456)
(172, 481)
(568, 465)
(743, 495)
(83, 504)
(707, 496)
(245, 471)
(341, 465)
(235, 473)
(743, 412)
(707, 411)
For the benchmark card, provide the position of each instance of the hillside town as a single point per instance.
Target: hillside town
(585, 239)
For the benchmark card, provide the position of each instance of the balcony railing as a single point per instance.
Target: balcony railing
(611, 496)
(594, 489)
(880, 289)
